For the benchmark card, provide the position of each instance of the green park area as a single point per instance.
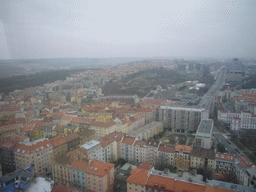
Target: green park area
(178, 139)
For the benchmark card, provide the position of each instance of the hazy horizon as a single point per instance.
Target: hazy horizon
(113, 29)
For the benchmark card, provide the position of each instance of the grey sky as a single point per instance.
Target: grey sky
(100, 28)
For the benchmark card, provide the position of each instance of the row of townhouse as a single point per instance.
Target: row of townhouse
(238, 121)
(103, 126)
(82, 173)
(18, 151)
(154, 152)
(147, 179)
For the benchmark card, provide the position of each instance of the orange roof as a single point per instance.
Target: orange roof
(209, 188)
(70, 137)
(138, 176)
(223, 156)
(166, 148)
(64, 188)
(114, 136)
(138, 116)
(140, 143)
(183, 147)
(145, 165)
(57, 141)
(103, 124)
(80, 165)
(99, 167)
(161, 183)
(146, 109)
(186, 186)
(17, 138)
(34, 147)
(66, 118)
(28, 128)
(128, 140)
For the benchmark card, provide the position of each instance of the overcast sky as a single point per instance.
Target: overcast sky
(137, 28)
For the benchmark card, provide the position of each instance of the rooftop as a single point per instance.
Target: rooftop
(205, 128)
(90, 144)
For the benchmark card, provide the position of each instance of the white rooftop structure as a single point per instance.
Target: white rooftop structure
(90, 144)
(40, 185)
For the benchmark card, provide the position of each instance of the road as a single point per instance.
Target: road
(208, 98)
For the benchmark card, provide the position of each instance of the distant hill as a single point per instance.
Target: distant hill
(21, 82)
(142, 82)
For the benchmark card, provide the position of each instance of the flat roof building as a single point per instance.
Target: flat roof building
(204, 134)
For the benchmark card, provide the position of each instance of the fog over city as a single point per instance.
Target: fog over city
(78, 29)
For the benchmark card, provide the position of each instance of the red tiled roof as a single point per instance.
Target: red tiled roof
(128, 140)
(166, 148)
(140, 143)
(183, 147)
(161, 183)
(114, 136)
(80, 165)
(8, 144)
(17, 138)
(103, 124)
(146, 165)
(67, 118)
(99, 167)
(138, 176)
(138, 116)
(28, 128)
(146, 109)
(64, 188)
(70, 137)
(22, 148)
(186, 186)
(57, 141)
(223, 156)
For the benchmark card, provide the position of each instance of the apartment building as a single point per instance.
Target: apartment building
(246, 120)
(61, 169)
(147, 131)
(128, 148)
(226, 117)
(203, 136)
(238, 121)
(100, 176)
(181, 119)
(146, 179)
(151, 150)
(72, 140)
(202, 158)
(112, 142)
(224, 163)
(86, 135)
(7, 157)
(104, 128)
(78, 174)
(136, 121)
(9, 130)
(37, 154)
(59, 145)
(95, 151)
(138, 178)
(140, 151)
(166, 154)
(149, 114)
(133, 99)
(181, 160)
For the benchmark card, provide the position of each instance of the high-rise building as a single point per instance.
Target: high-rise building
(181, 119)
